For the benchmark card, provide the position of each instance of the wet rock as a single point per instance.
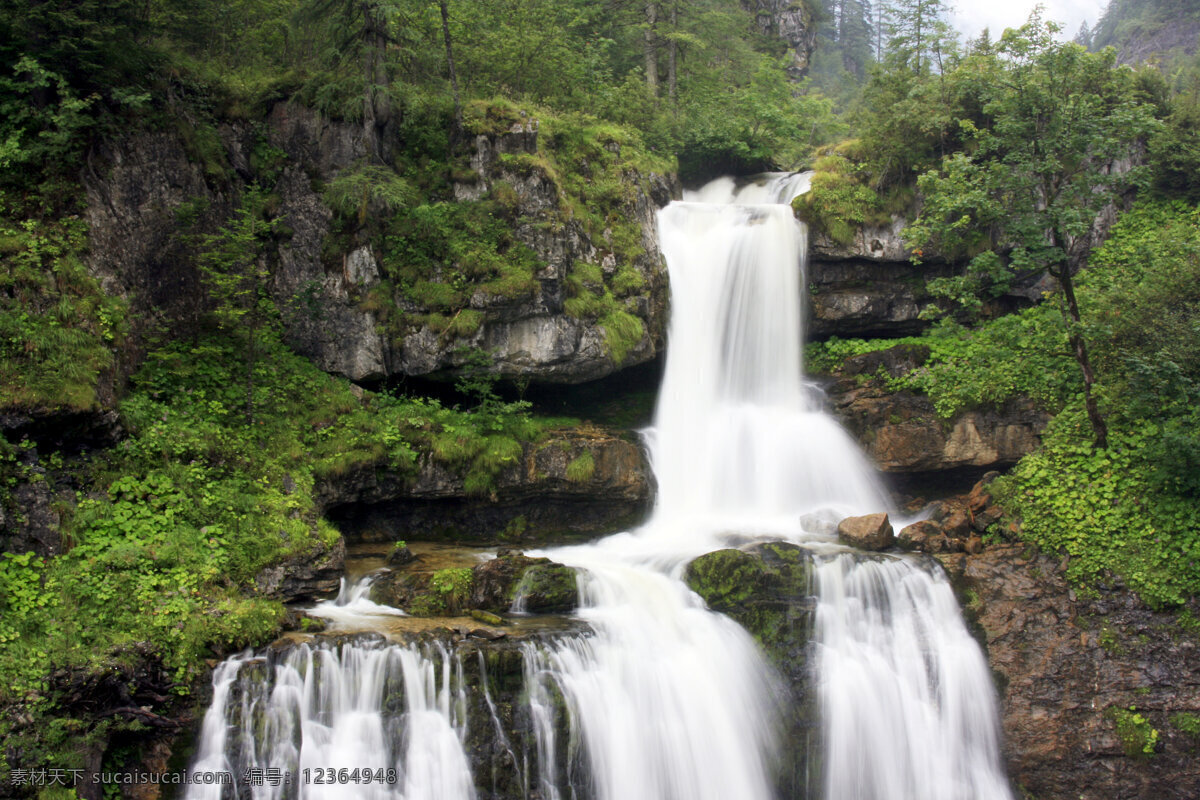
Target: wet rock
(495, 581)
(925, 536)
(482, 591)
(485, 617)
(547, 588)
(400, 555)
(766, 589)
(871, 532)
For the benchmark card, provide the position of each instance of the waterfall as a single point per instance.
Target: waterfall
(664, 699)
(391, 716)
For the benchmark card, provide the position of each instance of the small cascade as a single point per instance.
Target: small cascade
(353, 604)
(392, 716)
(907, 701)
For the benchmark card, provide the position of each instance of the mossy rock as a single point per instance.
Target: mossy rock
(547, 588)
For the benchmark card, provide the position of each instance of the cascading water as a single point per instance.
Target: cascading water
(665, 700)
(389, 715)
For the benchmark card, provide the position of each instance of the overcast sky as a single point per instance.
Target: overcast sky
(972, 16)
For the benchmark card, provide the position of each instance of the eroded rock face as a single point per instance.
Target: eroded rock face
(538, 499)
(143, 184)
(1067, 665)
(902, 432)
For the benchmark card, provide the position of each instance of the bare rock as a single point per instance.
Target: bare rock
(1065, 661)
(871, 532)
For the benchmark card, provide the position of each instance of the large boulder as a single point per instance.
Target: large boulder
(870, 532)
(767, 589)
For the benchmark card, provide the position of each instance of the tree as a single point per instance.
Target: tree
(918, 33)
(1061, 128)
(237, 276)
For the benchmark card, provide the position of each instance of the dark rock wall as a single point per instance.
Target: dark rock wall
(1064, 662)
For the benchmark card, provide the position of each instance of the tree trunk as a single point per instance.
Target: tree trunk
(1079, 350)
(673, 54)
(456, 131)
(376, 104)
(650, 48)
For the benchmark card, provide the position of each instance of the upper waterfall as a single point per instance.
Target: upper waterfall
(739, 441)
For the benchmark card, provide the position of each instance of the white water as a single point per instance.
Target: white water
(353, 606)
(322, 708)
(668, 701)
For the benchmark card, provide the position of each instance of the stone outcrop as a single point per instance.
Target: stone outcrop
(871, 532)
(902, 432)
(792, 21)
(766, 589)
(867, 288)
(139, 188)
(305, 576)
(540, 498)
(510, 582)
(1073, 671)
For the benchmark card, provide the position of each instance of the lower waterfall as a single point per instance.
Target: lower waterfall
(662, 699)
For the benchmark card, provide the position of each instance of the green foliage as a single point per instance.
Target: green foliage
(368, 188)
(1018, 355)
(581, 468)
(1138, 736)
(1106, 510)
(840, 199)
(58, 328)
(1188, 724)
(1056, 117)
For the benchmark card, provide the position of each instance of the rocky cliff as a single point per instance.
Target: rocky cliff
(868, 288)
(791, 21)
(1100, 695)
(352, 308)
(575, 484)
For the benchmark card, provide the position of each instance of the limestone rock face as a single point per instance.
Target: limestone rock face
(902, 432)
(1066, 664)
(533, 501)
(871, 532)
(141, 185)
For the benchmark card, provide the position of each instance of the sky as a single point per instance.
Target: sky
(972, 16)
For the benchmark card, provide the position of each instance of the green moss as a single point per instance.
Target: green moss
(547, 589)
(581, 468)
(1187, 724)
(725, 579)
(1138, 737)
(622, 332)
